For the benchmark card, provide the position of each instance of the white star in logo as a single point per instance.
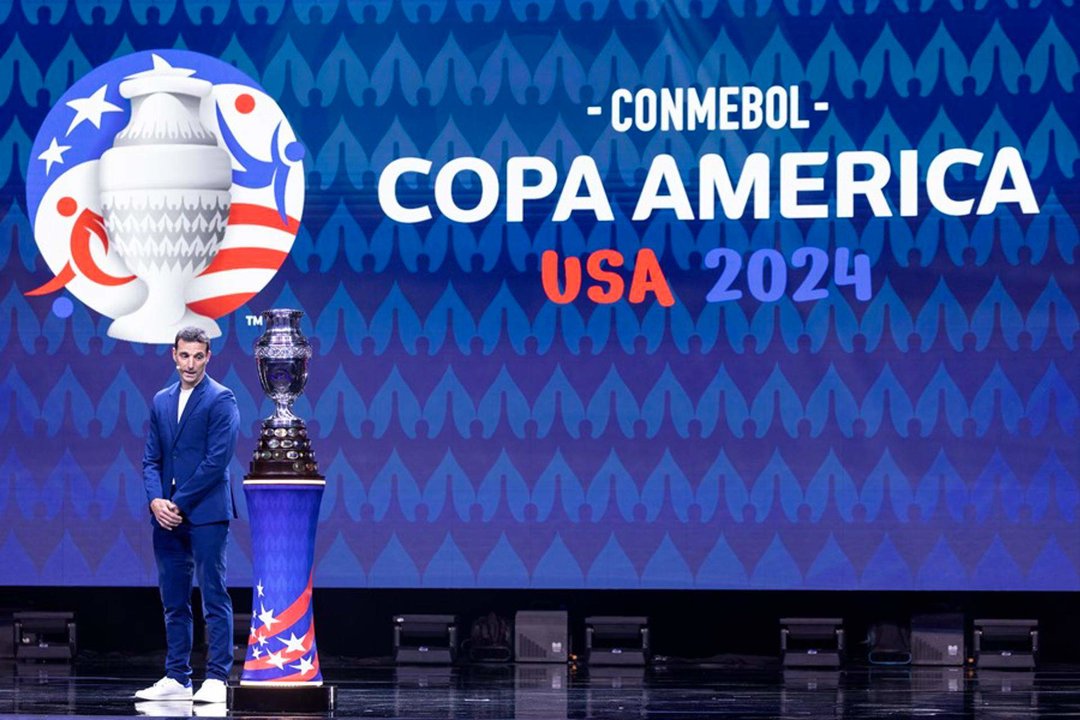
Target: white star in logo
(161, 68)
(259, 588)
(267, 617)
(54, 154)
(276, 660)
(304, 666)
(293, 644)
(91, 108)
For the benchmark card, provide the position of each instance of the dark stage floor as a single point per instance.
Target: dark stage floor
(741, 688)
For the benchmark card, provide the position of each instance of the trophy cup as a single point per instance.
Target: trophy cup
(282, 354)
(165, 199)
(283, 490)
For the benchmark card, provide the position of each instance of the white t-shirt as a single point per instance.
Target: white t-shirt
(184, 395)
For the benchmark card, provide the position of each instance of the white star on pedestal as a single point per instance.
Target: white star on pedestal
(91, 108)
(54, 154)
(161, 68)
(276, 660)
(293, 644)
(305, 665)
(266, 617)
(259, 588)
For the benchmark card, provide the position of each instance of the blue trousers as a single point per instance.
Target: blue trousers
(199, 551)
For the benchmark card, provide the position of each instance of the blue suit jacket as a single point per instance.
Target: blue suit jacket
(196, 451)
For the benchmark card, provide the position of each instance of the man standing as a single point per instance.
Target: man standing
(192, 436)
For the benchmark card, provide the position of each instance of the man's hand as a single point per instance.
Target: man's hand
(166, 513)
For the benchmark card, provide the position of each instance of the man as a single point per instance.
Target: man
(192, 436)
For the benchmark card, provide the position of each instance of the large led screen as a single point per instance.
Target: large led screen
(609, 294)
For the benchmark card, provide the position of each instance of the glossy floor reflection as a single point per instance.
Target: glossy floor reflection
(103, 688)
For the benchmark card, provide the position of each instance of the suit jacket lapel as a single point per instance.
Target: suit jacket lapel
(170, 411)
(193, 402)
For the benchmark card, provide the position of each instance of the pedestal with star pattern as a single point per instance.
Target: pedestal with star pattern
(281, 645)
(281, 667)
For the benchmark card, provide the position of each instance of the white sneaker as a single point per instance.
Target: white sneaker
(212, 691)
(165, 689)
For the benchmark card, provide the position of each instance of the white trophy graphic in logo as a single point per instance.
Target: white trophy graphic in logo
(165, 190)
(165, 198)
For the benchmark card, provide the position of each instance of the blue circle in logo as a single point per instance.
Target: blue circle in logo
(62, 307)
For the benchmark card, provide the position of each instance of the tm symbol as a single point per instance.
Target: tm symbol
(254, 320)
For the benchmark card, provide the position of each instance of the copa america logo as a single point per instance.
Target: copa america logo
(165, 189)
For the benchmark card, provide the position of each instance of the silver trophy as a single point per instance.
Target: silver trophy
(281, 354)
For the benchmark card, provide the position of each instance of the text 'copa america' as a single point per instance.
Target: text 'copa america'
(802, 185)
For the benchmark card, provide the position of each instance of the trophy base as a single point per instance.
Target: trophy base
(284, 451)
(146, 327)
(266, 699)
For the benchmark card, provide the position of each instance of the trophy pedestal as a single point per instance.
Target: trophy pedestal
(282, 655)
(283, 489)
(305, 700)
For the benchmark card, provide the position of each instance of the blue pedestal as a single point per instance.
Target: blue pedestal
(284, 516)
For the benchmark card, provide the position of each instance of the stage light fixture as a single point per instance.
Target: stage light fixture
(811, 642)
(541, 636)
(1006, 644)
(44, 635)
(425, 639)
(616, 640)
(937, 639)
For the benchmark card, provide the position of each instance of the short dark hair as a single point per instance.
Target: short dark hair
(192, 334)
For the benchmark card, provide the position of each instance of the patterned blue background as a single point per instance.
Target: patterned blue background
(474, 433)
